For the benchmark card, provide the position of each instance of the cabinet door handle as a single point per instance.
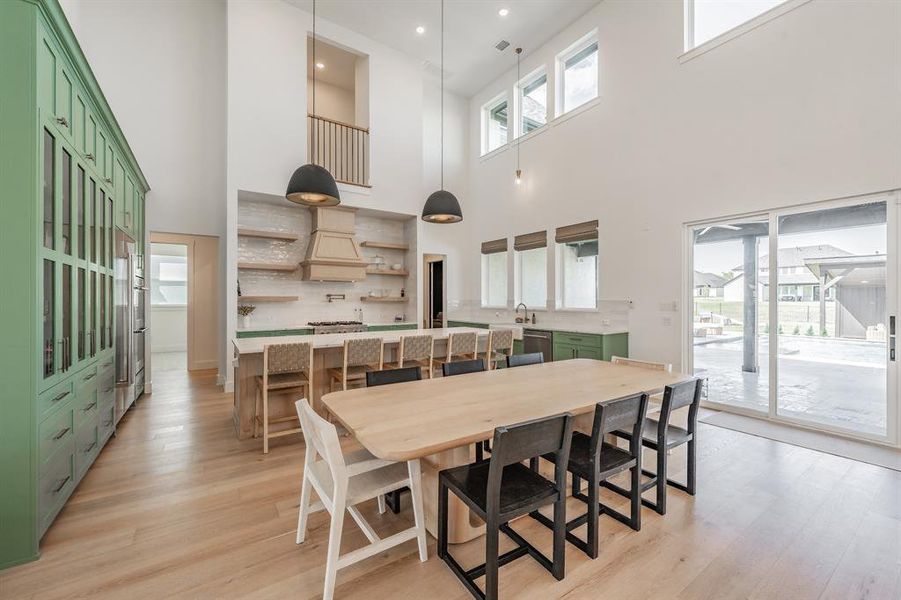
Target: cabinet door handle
(59, 397)
(62, 360)
(61, 433)
(89, 448)
(90, 377)
(108, 180)
(90, 157)
(107, 390)
(107, 423)
(62, 484)
(89, 406)
(62, 121)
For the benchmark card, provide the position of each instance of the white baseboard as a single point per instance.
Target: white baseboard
(203, 364)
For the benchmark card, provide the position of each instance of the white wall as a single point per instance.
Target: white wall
(170, 329)
(333, 102)
(804, 108)
(162, 67)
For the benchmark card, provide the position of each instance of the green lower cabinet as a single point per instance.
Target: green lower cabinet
(517, 347)
(273, 333)
(615, 344)
(400, 327)
(569, 345)
(467, 324)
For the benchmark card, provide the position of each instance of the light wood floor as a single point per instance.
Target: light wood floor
(175, 506)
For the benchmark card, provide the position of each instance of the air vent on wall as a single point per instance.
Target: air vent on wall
(502, 45)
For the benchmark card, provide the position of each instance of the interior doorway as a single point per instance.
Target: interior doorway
(184, 304)
(434, 304)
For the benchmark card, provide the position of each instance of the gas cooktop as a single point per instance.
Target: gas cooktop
(332, 323)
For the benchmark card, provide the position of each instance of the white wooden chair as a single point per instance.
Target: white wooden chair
(644, 364)
(341, 482)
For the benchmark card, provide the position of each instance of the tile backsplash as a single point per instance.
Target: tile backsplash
(313, 305)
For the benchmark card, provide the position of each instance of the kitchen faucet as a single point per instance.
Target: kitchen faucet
(525, 309)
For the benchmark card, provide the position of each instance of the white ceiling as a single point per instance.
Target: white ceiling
(472, 28)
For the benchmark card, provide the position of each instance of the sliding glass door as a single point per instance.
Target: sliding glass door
(792, 315)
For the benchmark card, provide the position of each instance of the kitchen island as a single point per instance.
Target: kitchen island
(327, 353)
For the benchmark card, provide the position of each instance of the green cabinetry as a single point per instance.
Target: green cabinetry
(399, 327)
(588, 345)
(59, 154)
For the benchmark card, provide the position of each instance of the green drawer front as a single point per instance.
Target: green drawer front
(616, 344)
(467, 324)
(273, 333)
(564, 351)
(391, 327)
(106, 386)
(588, 352)
(55, 397)
(87, 444)
(56, 432)
(517, 347)
(106, 362)
(106, 423)
(54, 487)
(578, 339)
(86, 402)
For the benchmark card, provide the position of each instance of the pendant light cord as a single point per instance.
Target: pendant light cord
(442, 94)
(521, 103)
(315, 151)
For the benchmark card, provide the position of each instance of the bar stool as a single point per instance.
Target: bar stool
(343, 481)
(286, 368)
(521, 360)
(593, 459)
(415, 350)
(360, 355)
(460, 345)
(661, 437)
(500, 347)
(503, 489)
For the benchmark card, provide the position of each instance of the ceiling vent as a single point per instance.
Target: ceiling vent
(502, 45)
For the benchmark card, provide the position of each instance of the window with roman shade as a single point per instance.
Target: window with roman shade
(577, 266)
(494, 273)
(530, 269)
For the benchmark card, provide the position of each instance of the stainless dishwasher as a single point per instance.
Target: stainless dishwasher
(538, 340)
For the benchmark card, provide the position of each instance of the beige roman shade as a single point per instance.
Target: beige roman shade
(494, 246)
(579, 232)
(530, 241)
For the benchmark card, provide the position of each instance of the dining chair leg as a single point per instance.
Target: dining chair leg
(577, 485)
(480, 452)
(334, 544)
(635, 497)
(692, 467)
(593, 512)
(442, 520)
(559, 564)
(304, 509)
(418, 515)
(492, 532)
(265, 422)
(661, 480)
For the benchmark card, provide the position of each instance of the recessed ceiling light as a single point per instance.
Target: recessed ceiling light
(503, 12)
(420, 30)
(320, 66)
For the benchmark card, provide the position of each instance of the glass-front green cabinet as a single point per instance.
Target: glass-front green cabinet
(66, 166)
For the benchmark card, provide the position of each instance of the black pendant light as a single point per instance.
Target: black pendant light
(312, 184)
(442, 206)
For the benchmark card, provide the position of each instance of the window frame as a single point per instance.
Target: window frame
(519, 92)
(560, 291)
(485, 118)
(573, 50)
(690, 50)
(518, 278)
(485, 283)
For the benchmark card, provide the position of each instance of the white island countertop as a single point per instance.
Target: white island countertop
(587, 327)
(283, 327)
(336, 340)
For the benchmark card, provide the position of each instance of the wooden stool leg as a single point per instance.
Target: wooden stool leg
(265, 421)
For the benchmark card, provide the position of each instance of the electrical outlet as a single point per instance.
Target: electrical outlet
(605, 322)
(667, 321)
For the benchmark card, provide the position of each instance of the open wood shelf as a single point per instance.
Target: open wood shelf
(385, 245)
(384, 299)
(261, 266)
(269, 235)
(397, 273)
(268, 299)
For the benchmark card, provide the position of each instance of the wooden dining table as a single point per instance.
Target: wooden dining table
(437, 421)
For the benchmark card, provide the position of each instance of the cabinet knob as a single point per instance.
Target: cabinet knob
(89, 156)
(62, 121)
(108, 180)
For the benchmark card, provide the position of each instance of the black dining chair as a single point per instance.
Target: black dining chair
(503, 489)
(593, 459)
(660, 436)
(521, 360)
(389, 376)
(462, 367)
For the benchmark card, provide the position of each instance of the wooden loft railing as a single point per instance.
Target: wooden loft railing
(341, 148)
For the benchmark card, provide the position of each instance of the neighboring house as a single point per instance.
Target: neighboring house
(708, 285)
(797, 282)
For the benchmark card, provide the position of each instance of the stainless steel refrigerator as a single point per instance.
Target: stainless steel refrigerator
(130, 296)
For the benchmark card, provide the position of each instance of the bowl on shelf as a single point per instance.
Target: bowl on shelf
(396, 267)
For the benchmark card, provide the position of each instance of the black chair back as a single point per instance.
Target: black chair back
(388, 376)
(521, 360)
(680, 395)
(462, 367)
(624, 413)
(516, 443)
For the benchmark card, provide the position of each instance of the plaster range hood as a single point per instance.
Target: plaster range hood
(333, 253)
